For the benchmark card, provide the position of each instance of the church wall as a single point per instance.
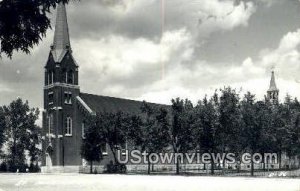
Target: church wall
(73, 144)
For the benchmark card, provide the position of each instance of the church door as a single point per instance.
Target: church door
(48, 157)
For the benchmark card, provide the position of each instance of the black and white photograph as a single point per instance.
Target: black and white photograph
(149, 95)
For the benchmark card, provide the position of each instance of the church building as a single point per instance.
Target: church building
(65, 106)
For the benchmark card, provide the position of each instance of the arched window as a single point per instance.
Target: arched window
(64, 76)
(50, 124)
(50, 77)
(70, 77)
(68, 126)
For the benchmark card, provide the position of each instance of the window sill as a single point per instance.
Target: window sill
(68, 135)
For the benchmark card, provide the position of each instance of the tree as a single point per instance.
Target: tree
(294, 133)
(152, 133)
(2, 127)
(91, 148)
(267, 143)
(286, 131)
(279, 130)
(33, 139)
(229, 119)
(207, 125)
(181, 131)
(254, 121)
(20, 132)
(113, 127)
(23, 23)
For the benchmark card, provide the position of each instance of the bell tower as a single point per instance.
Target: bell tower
(273, 91)
(60, 90)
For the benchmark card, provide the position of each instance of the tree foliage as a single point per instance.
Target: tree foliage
(22, 134)
(2, 127)
(181, 132)
(93, 142)
(207, 125)
(151, 132)
(23, 23)
(221, 123)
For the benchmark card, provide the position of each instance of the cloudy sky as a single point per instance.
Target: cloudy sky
(161, 49)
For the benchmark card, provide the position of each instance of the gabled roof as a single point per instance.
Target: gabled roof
(61, 42)
(99, 104)
(272, 83)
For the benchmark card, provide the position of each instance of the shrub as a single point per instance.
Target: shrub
(3, 167)
(112, 168)
(34, 168)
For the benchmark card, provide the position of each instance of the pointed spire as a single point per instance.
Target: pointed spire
(61, 42)
(272, 83)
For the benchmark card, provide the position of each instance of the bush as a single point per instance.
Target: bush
(3, 167)
(17, 168)
(112, 168)
(34, 168)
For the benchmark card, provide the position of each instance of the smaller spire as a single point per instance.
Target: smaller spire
(273, 86)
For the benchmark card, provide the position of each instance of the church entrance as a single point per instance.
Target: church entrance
(49, 152)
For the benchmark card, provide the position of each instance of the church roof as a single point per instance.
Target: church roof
(99, 104)
(273, 86)
(61, 42)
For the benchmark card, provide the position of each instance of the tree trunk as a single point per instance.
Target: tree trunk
(252, 165)
(264, 164)
(114, 154)
(177, 166)
(279, 159)
(91, 168)
(149, 164)
(14, 152)
(212, 166)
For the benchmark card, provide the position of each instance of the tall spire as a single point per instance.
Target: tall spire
(61, 42)
(272, 83)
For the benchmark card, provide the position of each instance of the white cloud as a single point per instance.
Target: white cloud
(118, 63)
(286, 58)
(217, 15)
(123, 67)
(251, 75)
(5, 89)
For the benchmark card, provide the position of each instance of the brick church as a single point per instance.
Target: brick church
(65, 106)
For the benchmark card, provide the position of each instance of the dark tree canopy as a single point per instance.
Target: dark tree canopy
(23, 23)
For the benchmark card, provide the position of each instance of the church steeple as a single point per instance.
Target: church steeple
(273, 91)
(60, 92)
(61, 66)
(61, 42)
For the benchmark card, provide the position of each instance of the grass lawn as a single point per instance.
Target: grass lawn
(81, 182)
